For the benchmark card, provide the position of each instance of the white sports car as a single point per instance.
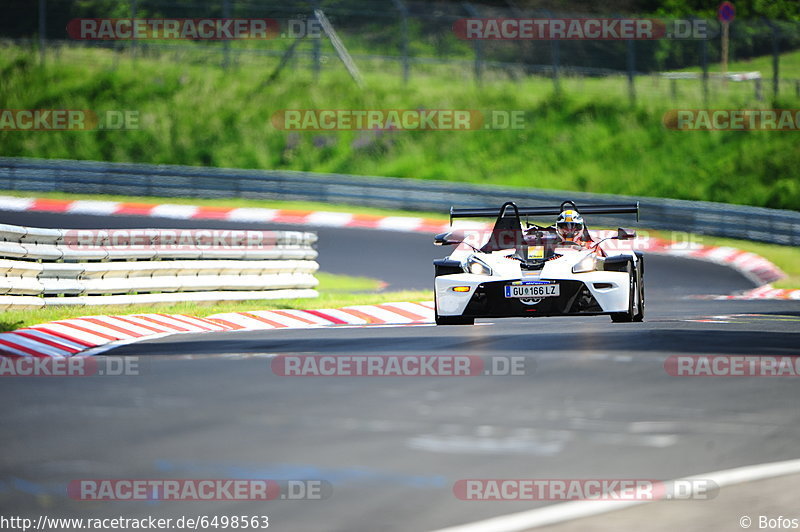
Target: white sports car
(530, 271)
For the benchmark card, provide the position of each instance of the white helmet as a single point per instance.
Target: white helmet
(570, 225)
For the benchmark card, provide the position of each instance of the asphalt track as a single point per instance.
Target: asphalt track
(595, 402)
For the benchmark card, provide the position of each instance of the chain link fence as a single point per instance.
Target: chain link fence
(407, 38)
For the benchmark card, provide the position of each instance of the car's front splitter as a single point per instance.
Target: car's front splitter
(488, 300)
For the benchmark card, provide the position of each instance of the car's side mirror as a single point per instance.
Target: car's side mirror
(625, 234)
(449, 239)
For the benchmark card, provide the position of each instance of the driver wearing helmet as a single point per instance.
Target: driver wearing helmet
(569, 226)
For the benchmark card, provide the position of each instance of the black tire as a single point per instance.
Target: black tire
(454, 320)
(639, 315)
(633, 312)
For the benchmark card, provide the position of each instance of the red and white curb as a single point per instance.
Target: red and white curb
(762, 292)
(95, 334)
(755, 267)
(229, 214)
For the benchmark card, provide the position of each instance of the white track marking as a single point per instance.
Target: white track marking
(180, 212)
(95, 208)
(329, 219)
(245, 214)
(11, 203)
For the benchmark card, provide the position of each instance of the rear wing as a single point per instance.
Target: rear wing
(516, 212)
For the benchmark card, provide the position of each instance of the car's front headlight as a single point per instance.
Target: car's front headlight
(476, 266)
(586, 264)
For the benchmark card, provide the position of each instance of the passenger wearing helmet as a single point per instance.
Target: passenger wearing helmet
(569, 226)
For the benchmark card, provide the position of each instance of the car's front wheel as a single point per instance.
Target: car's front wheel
(635, 310)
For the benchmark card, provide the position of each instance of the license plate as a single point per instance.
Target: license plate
(532, 290)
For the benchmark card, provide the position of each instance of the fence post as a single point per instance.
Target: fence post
(477, 44)
(775, 59)
(704, 62)
(133, 33)
(42, 30)
(759, 91)
(401, 7)
(631, 72)
(555, 58)
(226, 13)
(317, 51)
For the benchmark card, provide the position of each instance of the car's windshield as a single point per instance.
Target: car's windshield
(535, 243)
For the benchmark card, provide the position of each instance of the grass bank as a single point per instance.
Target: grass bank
(335, 291)
(588, 137)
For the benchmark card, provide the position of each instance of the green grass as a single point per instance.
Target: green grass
(587, 138)
(330, 283)
(335, 291)
(789, 62)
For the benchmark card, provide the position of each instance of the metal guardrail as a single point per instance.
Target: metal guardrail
(55, 267)
(89, 177)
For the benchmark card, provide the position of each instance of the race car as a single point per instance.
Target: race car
(533, 270)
